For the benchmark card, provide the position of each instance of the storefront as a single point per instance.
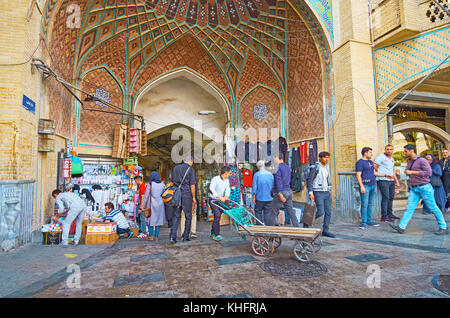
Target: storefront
(425, 128)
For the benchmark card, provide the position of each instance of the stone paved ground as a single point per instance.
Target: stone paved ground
(137, 268)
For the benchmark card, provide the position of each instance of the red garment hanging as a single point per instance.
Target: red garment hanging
(304, 152)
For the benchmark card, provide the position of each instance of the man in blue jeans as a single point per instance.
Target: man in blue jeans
(365, 174)
(262, 186)
(419, 171)
(319, 189)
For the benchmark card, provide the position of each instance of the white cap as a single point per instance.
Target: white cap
(260, 163)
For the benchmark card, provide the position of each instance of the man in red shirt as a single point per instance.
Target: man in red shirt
(141, 217)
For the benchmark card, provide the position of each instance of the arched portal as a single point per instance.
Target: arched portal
(426, 128)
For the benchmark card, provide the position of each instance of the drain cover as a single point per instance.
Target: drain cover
(442, 283)
(291, 268)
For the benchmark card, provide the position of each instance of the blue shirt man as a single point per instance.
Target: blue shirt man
(262, 186)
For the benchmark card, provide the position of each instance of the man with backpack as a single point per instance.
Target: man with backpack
(319, 189)
(183, 178)
(419, 171)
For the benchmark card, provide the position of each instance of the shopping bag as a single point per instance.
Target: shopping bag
(309, 214)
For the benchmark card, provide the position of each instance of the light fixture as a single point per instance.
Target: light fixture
(206, 112)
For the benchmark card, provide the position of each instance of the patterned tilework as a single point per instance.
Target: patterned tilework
(260, 95)
(97, 128)
(304, 84)
(398, 64)
(186, 52)
(324, 11)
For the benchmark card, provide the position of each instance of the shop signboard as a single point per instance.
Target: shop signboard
(130, 161)
(67, 169)
(434, 116)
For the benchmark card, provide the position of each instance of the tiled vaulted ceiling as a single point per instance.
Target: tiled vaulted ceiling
(229, 30)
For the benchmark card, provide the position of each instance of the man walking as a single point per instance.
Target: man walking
(219, 189)
(419, 171)
(262, 185)
(384, 164)
(319, 189)
(77, 209)
(365, 174)
(183, 175)
(283, 193)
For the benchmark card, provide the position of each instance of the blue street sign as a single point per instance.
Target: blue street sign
(29, 104)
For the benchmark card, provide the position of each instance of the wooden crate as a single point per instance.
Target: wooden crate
(101, 238)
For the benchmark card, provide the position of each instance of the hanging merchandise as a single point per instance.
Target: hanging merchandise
(121, 141)
(304, 152)
(247, 177)
(234, 177)
(77, 166)
(313, 152)
(297, 171)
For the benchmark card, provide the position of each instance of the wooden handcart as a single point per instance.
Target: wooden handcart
(266, 239)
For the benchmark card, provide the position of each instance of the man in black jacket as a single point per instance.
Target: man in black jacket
(183, 174)
(319, 190)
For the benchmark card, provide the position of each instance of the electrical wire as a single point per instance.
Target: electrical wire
(28, 59)
(343, 99)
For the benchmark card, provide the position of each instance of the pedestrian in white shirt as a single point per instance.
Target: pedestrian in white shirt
(77, 209)
(219, 189)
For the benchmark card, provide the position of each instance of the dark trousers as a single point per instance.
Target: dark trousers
(276, 206)
(168, 211)
(387, 190)
(324, 205)
(122, 231)
(215, 227)
(186, 206)
(262, 211)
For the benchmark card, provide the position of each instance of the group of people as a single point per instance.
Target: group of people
(425, 184)
(429, 181)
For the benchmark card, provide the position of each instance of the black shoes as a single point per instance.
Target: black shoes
(186, 240)
(442, 232)
(328, 234)
(393, 217)
(397, 228)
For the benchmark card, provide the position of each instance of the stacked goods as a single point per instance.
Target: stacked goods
(121, 141)
(143, 143)
(101, 233)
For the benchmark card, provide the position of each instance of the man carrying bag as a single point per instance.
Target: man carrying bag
(183, 178)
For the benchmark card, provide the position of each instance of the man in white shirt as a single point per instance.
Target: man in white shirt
(219, 189)
(77, 209)
(384, 163)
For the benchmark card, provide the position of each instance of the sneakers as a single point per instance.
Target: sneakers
(373, 224)
(186, 240)
(442, 232)
(363, 226)
(130, 235)
(193, 235)
(216, 238)
(150, 238)
(328, 234)
(397, 228)
(393, 217)
(172, 241)
(385, 219)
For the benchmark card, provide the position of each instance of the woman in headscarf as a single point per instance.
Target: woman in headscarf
(439, 192)
(153, 200)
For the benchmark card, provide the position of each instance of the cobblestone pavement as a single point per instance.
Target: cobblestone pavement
(408, 264)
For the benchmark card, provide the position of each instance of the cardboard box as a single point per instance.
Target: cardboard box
(224, 219)
(101, 238)
(101, 228)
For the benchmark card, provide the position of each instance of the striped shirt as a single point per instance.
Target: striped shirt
(118, 217)
(69, 200)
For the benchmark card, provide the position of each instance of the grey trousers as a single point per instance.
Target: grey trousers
(73, 214)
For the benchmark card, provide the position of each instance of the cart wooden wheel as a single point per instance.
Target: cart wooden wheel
(304, 251)
(317, 244)
(276, 241)
(260, 246)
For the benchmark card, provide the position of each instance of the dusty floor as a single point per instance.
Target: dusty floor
(204, 268)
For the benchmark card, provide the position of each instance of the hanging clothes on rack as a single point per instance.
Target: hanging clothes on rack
(297, 172)
(303, 152)
(313, 152)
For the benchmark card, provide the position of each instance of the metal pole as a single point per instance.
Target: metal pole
(412, 89)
